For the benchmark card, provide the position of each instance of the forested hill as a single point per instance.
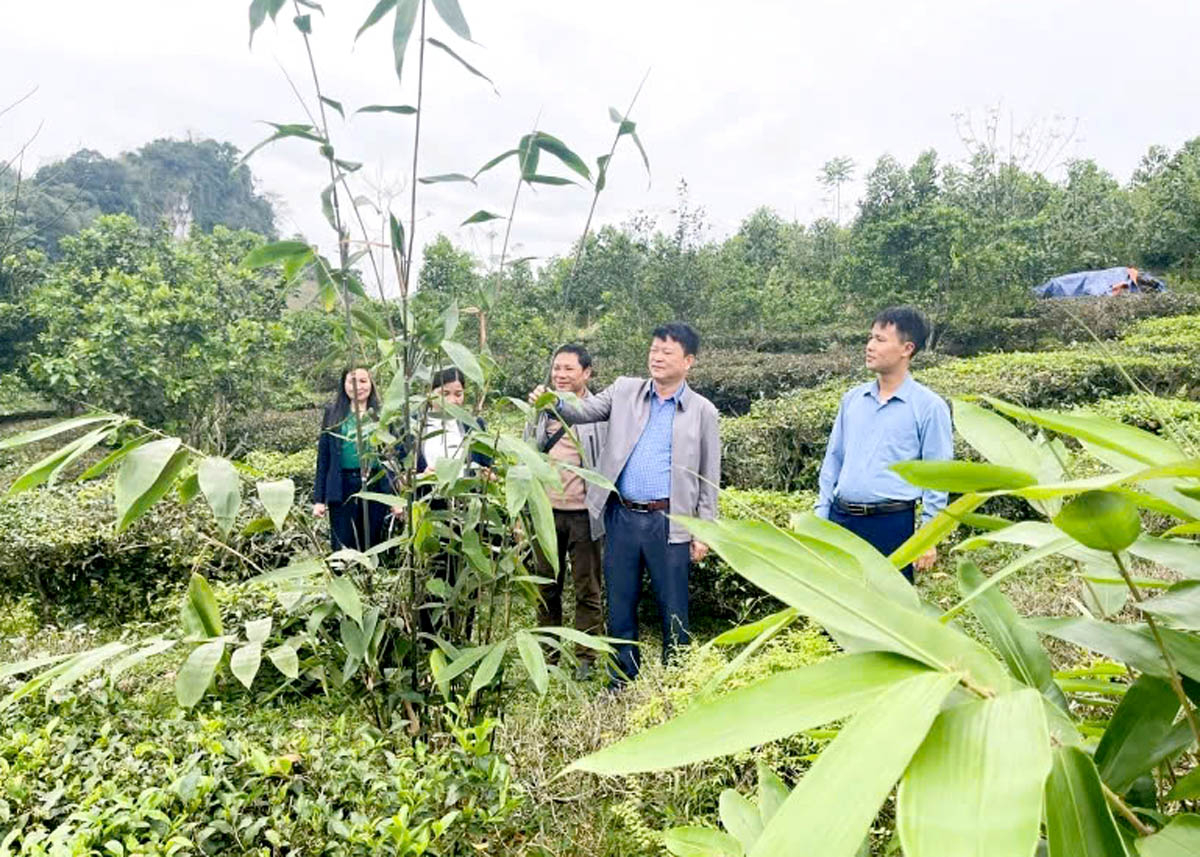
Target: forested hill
(178, 182)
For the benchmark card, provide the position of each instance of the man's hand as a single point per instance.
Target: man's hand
(537, 393)
(318, 510)
(926, 560)
(699, 550)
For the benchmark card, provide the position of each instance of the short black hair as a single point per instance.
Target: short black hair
(585, 359)
(681, 332)
(445, 376)
(909, 322)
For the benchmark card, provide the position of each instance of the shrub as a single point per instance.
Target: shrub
(734, 380)
(278, 431)
(1178, 333)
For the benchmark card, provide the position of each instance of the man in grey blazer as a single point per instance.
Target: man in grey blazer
(664, 454)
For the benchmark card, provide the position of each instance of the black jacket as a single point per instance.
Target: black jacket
(328, 487)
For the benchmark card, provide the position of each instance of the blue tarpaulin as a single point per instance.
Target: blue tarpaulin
(1110, 281)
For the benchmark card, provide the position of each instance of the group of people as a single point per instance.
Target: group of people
(657, 441)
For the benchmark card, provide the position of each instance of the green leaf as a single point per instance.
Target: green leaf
(1180, 838)
(439, 44)
(277, 497)
(560, 150)
(534, 661)
(934, 531)
(805, 576)
(1078, 820)
(740, 817)
(285, 660)
(975, 785)
(201, 606)
(189, 489)
(446, 177)
(381, 9)
(50, 431)
(1178, 555)
(830, 811)
(1120, 642)
(146, 474)
(482, 216)
(462, 357)
(488, 667)
(82, 664)
(1016, 642)
(257, 630)
(746, 633)
(450, 12)
(345, 595)
(276, 252)
(496, 161)
(222, 488)
(771, 793)
(47, 469)
(1187, 788)
(101, 467)
(783, 704)
(700, 842)
(259, 9)
(197, 672)
(557, 181)
(1101, 520)
(245, 661)
(304, 25)
(542, 515)
(406, 17)
(1142, 722)
(1180, 606)
(962, 476)
(149, 648)
(401, 109)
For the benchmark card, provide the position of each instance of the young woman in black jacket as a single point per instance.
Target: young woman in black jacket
(340, 469)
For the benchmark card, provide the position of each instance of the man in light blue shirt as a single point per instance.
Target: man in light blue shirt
(880, 423)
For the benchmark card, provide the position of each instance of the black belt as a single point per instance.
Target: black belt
(886, 507)
(648, 506)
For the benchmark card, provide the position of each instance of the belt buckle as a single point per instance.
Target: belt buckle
(857, 509)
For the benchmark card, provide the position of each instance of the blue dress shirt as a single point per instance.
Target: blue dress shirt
(870, 435)
(647, 472)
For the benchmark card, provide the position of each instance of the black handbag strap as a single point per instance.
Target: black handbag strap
(553, 439)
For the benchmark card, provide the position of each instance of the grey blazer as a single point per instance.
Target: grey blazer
(592, 437)
(695, 446)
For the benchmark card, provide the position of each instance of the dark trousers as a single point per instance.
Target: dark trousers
(884, 532)
(574, 532)
(346, 519)
(633, 541)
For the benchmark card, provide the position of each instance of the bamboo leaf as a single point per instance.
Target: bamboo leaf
(556, 181)
(482, 216)
(771, 793)
(488, 667)
(285, 660)
(1187, 788)
(446, 177)
(1141, 723)
(740, 817)
(1179, 607)
(962, 476)
(542, 514)
(83, 664)
(245, 661)
(197, 672)
(149, 649)
(462, 357)
(830, 811)
(400, 109)
(202, 603)
(402, 27)
(934, 531)
(975, 786)
(257, 630)
(1078, 820)
(277, 497)
(101, 467)
(1120, 642)
(496, 161)
(783, 704)
(560, 150)
(1180, 838)
(222, 487)
(345, 595)
(146, 474)
(336, 105)
(276, 253)
(445, 47)
(700, 842)
(381, 9)
(534, 661)
(450, 12)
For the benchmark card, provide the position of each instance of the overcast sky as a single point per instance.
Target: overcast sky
(744, 100)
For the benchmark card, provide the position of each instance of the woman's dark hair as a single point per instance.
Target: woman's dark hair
(681, 332)
(445, 376)
(909, 323)
(581, 353)
(340, 406)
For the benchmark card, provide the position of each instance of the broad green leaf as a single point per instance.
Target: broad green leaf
(534, 661)
(1078, 820)
(1141, 723)
(402, 27)
(1017, 644)
(80, 448)
(1184, 529)
(1101, 521)
(496, 161)
(1179, 555)
(381, 9)
(488, 667)
(189, 488)
(259, 9)
(257, 630)
(801, 576)
(830, 811)
(60, 664)
(1120, 642)
(1180, 838)
(101, 467)
(276, 252)
(445, 47)
(999, 441)
(542, 515)
(47, 468)
(1187, 788)
(345, 595)
(740, 817)
(518, 483)
(147, 650)
(446, 177)
(934, 531)
(780, 621)
(1179, 607)
(771, 793)
(197, 672)
(1107, 433)
(284, 658)
(783, 704)
(202, 604)
(1037, 534)
(700, 842)
(878, 572)
(747, 633)
(560, 150)
(145, 476)
(462, 662)
(296, 571)
(462, 357)
(962, 476)
(450, 12)
(353, 638)
(245, 661)
(974, 788)
(1025, 560)
(82, 664)
(482, 216)
(277, 497)
(540, 178)
(401, 109)
(222, 488)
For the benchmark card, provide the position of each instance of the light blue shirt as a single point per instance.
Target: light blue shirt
(869, 436)
(647, 472)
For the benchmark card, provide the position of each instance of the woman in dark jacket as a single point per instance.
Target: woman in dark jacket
(340, 469)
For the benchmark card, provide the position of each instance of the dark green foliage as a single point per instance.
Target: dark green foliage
(276, 431)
